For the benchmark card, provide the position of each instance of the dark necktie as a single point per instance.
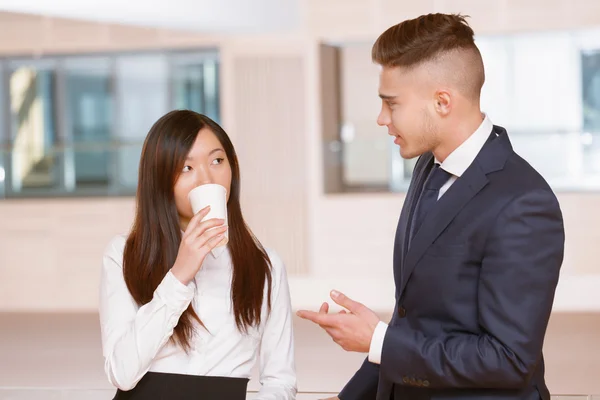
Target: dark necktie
(429, 196)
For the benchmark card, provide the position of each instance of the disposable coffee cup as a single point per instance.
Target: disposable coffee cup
(215, 196)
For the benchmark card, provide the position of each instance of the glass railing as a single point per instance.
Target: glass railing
(75, 170)
(104, 394)
(370, 162)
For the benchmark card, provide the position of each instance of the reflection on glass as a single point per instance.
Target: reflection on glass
(195, 87)
(365, 156)
(89, 105)
(33, 163)
(188, 87)
(590, 71)
(142, 90)
(563, 162)
(590, 68)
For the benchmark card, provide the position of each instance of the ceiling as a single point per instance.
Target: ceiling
(222, 16)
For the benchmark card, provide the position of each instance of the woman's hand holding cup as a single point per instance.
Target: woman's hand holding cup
(197, 241)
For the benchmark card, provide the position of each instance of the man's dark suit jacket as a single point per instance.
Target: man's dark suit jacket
(474, 290)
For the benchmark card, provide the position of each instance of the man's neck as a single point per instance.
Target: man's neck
(461, 129)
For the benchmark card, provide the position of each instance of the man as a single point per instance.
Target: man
(479, 242)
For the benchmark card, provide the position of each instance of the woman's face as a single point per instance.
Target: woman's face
(205, 163)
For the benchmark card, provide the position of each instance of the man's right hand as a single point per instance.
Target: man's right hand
(332, 398)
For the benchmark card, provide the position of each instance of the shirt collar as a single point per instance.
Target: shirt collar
(216, 252)
(459, 160)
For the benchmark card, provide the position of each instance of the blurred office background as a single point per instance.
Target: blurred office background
(292, 83)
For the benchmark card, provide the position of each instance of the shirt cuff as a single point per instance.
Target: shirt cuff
(377, 343)
(173, 293)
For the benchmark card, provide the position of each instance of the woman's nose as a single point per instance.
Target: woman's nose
(203, 177)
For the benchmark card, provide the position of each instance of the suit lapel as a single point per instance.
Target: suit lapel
(459, 194)
(410, 201)
(491, 158)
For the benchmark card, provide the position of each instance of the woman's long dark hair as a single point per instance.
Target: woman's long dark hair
(153, 243)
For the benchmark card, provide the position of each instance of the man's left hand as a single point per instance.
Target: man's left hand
(351, 330)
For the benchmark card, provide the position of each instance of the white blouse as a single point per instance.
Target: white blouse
(135, 339)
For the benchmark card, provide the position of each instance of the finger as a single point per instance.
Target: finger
(324, 308)
(205, 226)
(196, 219)
(197, 241)
(343, 312)
(334, 333)
(213, 241)
(211, 233)
(346, 302)
(317, 318)
(211, 238)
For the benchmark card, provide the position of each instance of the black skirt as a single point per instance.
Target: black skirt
(163, 386)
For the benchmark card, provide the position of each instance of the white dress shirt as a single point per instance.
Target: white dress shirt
(456, 164)
(135, 339)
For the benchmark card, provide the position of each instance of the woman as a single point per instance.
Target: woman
(180, 320)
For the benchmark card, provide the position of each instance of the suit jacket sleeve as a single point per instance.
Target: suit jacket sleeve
(519, 273)
(363, 385)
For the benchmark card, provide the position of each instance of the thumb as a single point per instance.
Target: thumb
(324, 308)
(344, 301)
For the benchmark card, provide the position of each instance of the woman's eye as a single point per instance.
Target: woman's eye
(218, 161)
(187, 168)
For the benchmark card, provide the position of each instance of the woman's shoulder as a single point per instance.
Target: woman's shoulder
(278, 269)
(276, 261)
(115, 248)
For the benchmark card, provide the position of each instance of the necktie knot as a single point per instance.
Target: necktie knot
(437, 178)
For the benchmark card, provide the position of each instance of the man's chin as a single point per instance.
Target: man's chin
(406, 154)
(409, 154)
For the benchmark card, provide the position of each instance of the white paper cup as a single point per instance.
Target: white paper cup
(215, 196)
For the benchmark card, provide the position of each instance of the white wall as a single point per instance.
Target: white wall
(238, 16)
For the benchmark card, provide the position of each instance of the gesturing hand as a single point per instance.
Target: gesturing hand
(351, 330)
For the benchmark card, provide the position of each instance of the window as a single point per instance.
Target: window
(88, 122)
(195, 83)
(33, 164)
(543, 87)
(590, 65)
(75, 125)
